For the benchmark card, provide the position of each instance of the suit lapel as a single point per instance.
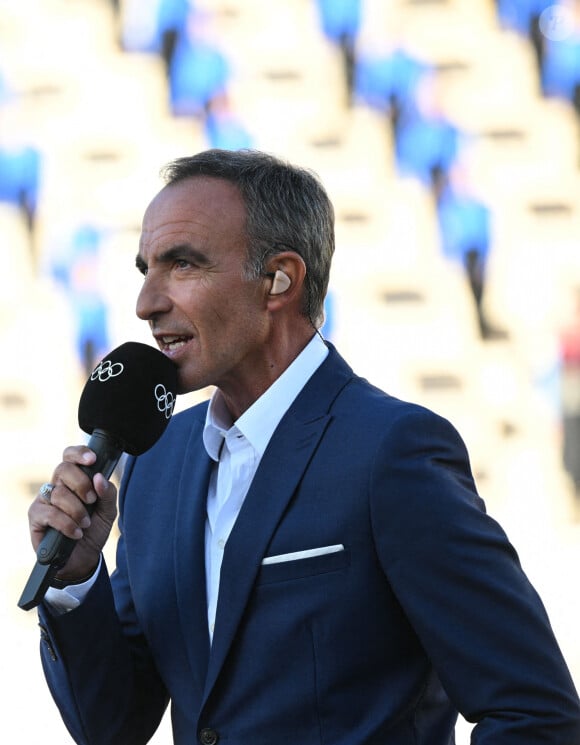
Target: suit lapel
(276, 480)
(263, 508)
(189, 552)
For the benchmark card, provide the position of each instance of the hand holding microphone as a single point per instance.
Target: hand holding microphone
(125, 406)
(78, 508)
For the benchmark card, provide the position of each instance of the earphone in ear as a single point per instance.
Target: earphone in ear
(280, 282)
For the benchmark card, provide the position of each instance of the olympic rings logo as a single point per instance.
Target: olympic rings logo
(106, 370)
(165, 400)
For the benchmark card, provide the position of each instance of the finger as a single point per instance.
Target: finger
(107, 493)
(68, 477)
(42, 515)
(105, 489)
(80, 454)
(71, 503)
(70, 493)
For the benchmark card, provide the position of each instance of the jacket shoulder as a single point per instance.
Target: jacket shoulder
(186, 417)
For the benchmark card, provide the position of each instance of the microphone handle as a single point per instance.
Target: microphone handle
(55, 548)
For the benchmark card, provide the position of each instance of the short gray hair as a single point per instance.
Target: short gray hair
(287, 208)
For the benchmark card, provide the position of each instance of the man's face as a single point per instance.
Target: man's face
(204, 315)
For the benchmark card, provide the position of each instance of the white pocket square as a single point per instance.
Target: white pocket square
(294, 555)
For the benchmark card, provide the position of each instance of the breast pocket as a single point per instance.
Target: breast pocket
(298, 568)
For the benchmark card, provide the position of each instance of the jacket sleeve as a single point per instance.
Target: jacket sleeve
(461, 585)
(99, 670)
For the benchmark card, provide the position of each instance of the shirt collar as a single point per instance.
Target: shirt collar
(258, 423)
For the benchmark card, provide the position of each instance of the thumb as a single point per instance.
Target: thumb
(107, 493)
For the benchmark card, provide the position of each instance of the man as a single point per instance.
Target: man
(305, 560)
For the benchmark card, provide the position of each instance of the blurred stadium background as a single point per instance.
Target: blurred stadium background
(447, 134)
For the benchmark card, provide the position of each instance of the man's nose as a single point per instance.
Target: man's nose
(153, 299)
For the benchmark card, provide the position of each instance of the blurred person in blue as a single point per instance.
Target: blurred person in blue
(153, 26)
(340, 22)
(427, 141)
(75, 267)
(171, 22)
(224, 128)
(21, 165)
(523, 17)
(20, 175)
(303, 558)
(182, 35)
(387, 80)
(560, 72)
(465, 229)
(199, 71)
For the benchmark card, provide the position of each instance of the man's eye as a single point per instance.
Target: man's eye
(185, 265)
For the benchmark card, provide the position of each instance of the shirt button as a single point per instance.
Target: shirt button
(221, 543)
(208, 736)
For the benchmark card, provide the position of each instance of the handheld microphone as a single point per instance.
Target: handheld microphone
(125, 406)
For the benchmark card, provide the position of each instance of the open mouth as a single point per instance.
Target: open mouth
(171, 343)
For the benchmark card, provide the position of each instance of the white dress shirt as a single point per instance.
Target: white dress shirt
(237, 448)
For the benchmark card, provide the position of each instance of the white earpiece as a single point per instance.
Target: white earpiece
(280, 283)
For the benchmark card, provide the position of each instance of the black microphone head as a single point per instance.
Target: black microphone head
(130, 395)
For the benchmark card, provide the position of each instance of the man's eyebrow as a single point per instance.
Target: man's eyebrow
(140, 264)
(175, 252)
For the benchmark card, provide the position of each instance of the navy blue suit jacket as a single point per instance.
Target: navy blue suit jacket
(425, 611)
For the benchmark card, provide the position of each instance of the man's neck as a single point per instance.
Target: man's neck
(240, 395)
